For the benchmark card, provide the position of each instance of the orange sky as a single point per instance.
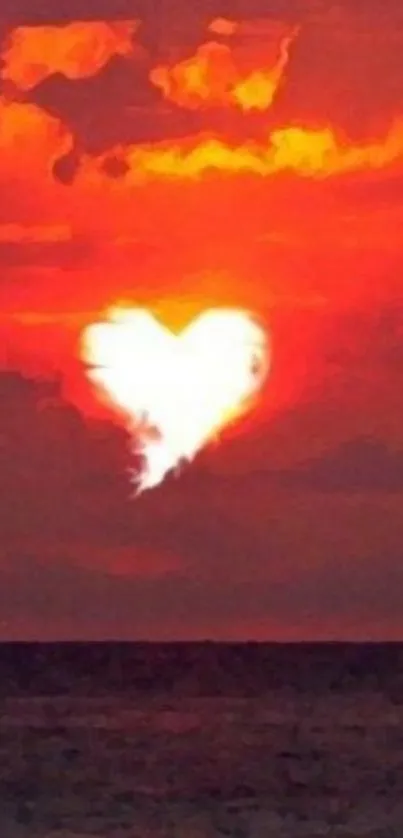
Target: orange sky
(184, 161)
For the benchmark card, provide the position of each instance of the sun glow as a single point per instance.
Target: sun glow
(177, 391)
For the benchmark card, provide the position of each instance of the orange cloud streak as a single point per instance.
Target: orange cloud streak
(212, 78)
(257, 91)
(30, 140)
(223, 26)
(77, 50)
(310, 153)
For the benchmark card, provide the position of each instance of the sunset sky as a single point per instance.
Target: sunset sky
(182, 155)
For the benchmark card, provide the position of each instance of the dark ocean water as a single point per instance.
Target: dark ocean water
(201, 740)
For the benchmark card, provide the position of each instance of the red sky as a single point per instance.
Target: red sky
(157, 155)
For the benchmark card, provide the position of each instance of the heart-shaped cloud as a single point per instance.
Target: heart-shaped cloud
(177, 391)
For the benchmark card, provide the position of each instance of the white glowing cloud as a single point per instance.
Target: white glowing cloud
(176, 390)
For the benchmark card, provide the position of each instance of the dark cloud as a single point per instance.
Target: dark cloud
(364, 341)
(361, 464)
(114, 167)
(165, 11)
(67, 590)
(61, 477)
(247, 546)
(94, 603)
(134, 113)
(345, 70)
(66, 167)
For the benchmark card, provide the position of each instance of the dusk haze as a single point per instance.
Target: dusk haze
(201, 320)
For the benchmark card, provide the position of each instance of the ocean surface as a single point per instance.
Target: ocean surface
(201, 740)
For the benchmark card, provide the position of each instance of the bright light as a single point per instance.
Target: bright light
(177, 391)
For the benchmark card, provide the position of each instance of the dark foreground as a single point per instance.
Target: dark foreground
(201, 740)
